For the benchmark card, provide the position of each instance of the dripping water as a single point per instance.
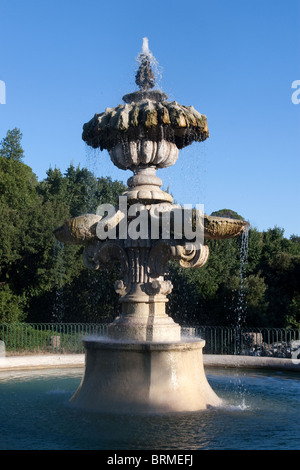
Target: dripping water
(241, 306)
(92, 161)
(242, 301)
(59, 273)
(100, 165)
(92, 158)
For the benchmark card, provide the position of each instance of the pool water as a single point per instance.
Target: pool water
(262, 412)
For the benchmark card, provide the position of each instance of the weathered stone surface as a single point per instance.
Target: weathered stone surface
(159, 154)
(2, 348)
(144, 377)
(221, 228)
(82, 230)
(146, 119)
(78, 230)
(145, 78)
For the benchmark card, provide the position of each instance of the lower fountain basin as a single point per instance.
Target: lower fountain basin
(261, 412)
(144, 377)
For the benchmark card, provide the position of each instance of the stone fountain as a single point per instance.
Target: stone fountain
(144, 363)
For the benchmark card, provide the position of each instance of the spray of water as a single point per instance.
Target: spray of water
(157, 69)
(145, 47)
(242, 303)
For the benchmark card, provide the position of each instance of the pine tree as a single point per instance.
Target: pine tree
(10, 146)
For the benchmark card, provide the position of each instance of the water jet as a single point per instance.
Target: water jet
(146, 365)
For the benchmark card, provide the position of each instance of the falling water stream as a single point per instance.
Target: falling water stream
(241, 308)
(240, 302)
(58, 306)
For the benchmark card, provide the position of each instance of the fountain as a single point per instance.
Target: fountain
(145, 363)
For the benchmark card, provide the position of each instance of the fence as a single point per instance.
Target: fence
(66, 338)
(39, 338)
(272, 342)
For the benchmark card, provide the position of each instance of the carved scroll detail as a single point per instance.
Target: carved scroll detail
(101, 255)
(159, 256)
(195, 257)
(144, 266)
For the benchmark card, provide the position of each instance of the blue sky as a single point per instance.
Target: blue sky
(233, 60)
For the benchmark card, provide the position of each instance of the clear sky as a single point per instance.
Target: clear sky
(233, 60)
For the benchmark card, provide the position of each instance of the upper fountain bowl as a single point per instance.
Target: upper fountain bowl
(146, 120)
(146, 116)
(221, 228)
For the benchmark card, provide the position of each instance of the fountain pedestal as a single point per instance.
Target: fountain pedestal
(144, 377)
(142, 365)
(144, 321)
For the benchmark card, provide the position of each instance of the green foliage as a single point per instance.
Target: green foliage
(68, 291)
(293, 317)
(33, 265)
(11, 305)
(23, 337)
(10, 146)
(228, 213)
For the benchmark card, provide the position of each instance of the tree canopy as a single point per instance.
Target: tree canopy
(228, 213)
(10, 145)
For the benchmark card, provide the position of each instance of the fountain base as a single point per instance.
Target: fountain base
(144, 377)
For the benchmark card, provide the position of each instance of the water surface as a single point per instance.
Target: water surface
(262, 412)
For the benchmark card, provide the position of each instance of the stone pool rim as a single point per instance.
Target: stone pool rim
(52, 361)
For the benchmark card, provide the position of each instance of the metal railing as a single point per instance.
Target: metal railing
(271, 342)
(66, 338)
(39, 338)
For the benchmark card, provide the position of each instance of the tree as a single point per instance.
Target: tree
(67, 290)
(108, 190)
(293, 314)
(10, 146)
(18, 204)
(36, 271)
(228, 213)
(11, 305)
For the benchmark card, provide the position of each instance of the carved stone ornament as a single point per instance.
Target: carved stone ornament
(142, 265)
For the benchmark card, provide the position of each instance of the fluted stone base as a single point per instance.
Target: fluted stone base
(144, 377)
(144, 321)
